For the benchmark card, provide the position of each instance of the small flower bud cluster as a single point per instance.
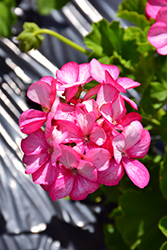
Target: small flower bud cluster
(89, 139)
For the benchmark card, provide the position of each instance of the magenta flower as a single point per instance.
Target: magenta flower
(40, 155)
(86, 133)
(75, 177)
(157, 34)
(109, 87)
(42, 92)
(70, 76)
(115, 114)
(153, 7)
(133, 142)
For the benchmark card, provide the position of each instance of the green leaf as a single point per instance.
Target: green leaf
(158, 91)
(163, 177)
(44, 7)
(134, 17)
(163, 225)
(141, 213)
(7, 18)
(28, 39)
(113, 239)
(164, 246)
(135, 5)
(59, 4)
(105, 38)
(154, 97)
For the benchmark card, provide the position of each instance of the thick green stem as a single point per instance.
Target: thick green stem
(63, 39)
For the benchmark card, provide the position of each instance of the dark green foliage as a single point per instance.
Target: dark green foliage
(7, 17)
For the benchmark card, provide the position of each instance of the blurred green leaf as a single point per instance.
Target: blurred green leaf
(113, 238)
(163, 177)
(139, 19)
(44, 7)
(7, 17)
(163, 225)
(139, 222)
(164, 246)
(105, 38)
(154, 97)
(27, 38)
(135, 5)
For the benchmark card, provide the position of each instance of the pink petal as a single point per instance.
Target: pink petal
(63, 184)
(63, 111)
(48, 79)
(53, 92)
(31, 120)
(130, 117)
(107, 93)
(56, 154)
(127, 83)
(136, 171)
(118, 107)
(107, 112)
(48, 125)
(132, 133)
(157, 34)
(56, 137)
(131, 103)
(74, 132)
(34, 143)
(90, 106)
(162, 15)
(97, 135)
(140, 149)
(97, 71)
(34, 162)
(92, 92)
(118, 143)
(112, 69)
(109, 79)
(68, 73)
(162, 50)
(86, 170)
(39, 92)
(84, 73)
(112, 175)
(45, 175)
(69, 157)
(70, 92)
(82, 187)
(153, 7)
(99, 157)
(85, 121)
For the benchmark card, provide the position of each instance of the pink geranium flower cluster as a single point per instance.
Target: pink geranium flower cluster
(86, 141)
(157, 34)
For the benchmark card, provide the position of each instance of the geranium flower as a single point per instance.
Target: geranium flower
(40, 155)
(85, 132)
(70, 76)
(115, 114)
(157, 34)
(75, 177)
(42, 92)
(132, 143)
(109, 87)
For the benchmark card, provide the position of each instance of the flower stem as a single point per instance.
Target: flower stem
(63, 39)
